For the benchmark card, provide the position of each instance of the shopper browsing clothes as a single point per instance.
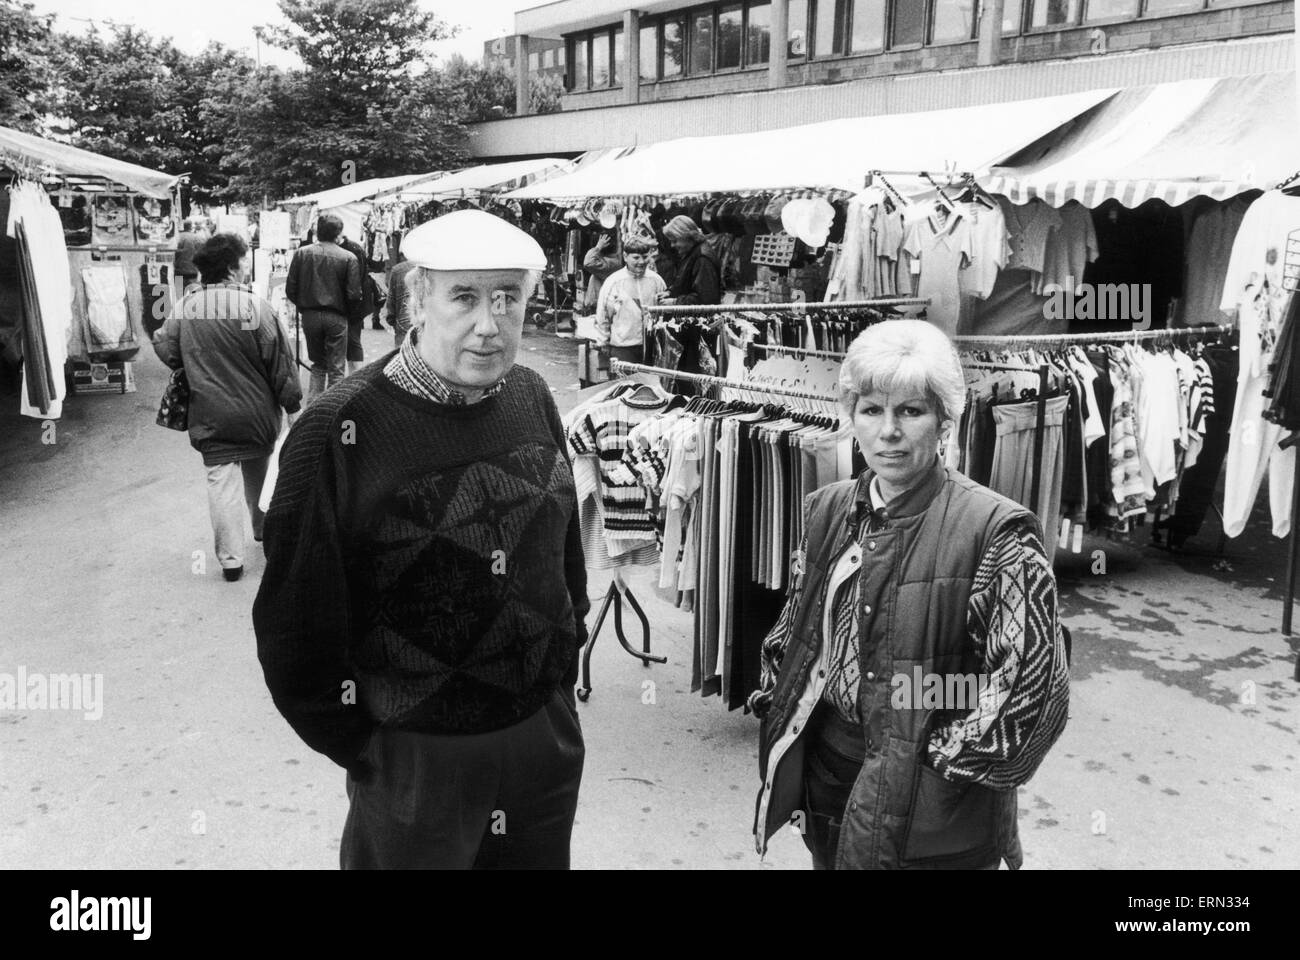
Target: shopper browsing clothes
(912, 575)
(425, 595)
(360, 309)
(324, 283)
(620, 317)
(241, 373)
(698, 279)
(601, 261)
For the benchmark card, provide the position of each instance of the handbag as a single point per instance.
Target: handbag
(174, 411)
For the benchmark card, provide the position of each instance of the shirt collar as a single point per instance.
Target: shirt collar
(410, 371)
(907, 504)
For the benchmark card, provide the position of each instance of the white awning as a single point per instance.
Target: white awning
(832, 155)
(24, 150)
(1173, 141)
(354, 192)
(480, 179)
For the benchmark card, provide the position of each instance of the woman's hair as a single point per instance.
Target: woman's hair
(898, 355)
(683, 228)
(328, 227)
(219, 257)
(639, 245)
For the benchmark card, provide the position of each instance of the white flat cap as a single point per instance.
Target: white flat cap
(472, 240)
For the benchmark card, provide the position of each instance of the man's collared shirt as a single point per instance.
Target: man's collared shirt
(409, 370)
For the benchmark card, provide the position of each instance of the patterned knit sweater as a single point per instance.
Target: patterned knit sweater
(424, 565)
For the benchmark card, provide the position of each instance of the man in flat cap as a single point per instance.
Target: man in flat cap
(425, 592)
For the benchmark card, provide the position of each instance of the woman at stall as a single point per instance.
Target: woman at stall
(241, 372)
(917, 675)
(698, 279)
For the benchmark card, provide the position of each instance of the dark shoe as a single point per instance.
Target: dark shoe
(232, 573)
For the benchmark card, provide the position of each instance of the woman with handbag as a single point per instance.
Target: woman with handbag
(241, 372)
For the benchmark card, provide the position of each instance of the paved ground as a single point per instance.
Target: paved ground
(1181, 749)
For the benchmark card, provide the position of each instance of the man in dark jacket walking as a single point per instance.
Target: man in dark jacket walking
(324, 283)
(362, 308)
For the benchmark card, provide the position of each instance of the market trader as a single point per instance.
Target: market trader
(425, 592)
(324, 283)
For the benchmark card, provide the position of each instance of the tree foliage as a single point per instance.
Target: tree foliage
(25, 70)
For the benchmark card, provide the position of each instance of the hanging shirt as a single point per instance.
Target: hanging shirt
(1028, 229)
(1209, 251)
(944, 251)
(1070, 248)
(989, 249)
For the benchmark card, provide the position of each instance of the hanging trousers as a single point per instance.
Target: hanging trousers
(1253, 453)
(233, 492)
(1013, 458)
(501, 800)
(1196, 490)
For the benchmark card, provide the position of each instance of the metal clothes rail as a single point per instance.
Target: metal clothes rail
(748, 386)
(711, 308)
(1114, 336)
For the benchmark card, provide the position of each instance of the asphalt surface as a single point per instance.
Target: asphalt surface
(1181, 750)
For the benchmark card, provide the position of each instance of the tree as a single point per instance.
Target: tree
(367, 102)
(544, 92)
(25, 70)
(486, 92)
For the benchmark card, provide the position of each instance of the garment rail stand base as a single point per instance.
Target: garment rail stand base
(617, 593)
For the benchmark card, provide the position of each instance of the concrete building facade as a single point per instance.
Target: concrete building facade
(715, 68)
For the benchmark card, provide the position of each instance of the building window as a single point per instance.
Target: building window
(674, 48)
(828, 27)
(581, 79)
(548, 59)
(908, 27)
(649, 52)
(599, 60)
(758, 33)
(620, 57)
(1114, 9)
(1055, 13)
(701, 42)
(797, 28)
(867, 27)
(532, 62)
(953, 20)
(559, 57)
(1012, 12)
(1161, 8)
(731, 23)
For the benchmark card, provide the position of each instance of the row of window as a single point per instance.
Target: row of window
(546, 59)
(733, 36)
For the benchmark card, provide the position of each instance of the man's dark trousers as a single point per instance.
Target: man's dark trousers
(500, 800)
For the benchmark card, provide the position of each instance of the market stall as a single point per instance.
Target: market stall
(116, 238)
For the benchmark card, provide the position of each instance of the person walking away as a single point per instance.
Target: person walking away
(620, 317)
(699, 278)
(915, 581)
(425, 597)
(188, 242)
(242, 373)
(360, 309)
(324, 283)
(398, 308)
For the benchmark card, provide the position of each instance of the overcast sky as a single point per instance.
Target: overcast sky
(231, 22)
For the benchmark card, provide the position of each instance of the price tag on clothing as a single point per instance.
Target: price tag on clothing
(65, 199)
(155, 271)
(1064, 540)
(1078, 539)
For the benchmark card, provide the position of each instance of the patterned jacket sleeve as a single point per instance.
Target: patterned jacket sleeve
(1023, 705)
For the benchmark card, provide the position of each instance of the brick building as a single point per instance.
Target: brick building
(715, 68)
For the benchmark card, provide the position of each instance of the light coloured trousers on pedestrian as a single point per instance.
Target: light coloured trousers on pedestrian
(233, 492)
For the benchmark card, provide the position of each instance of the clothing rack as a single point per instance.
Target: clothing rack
(1115, 336)
(615, 596)
(622, 366)
(1040, 423)
(797, 351)
(711, 308)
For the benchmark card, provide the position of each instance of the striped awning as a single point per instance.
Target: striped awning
(1195, 138)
